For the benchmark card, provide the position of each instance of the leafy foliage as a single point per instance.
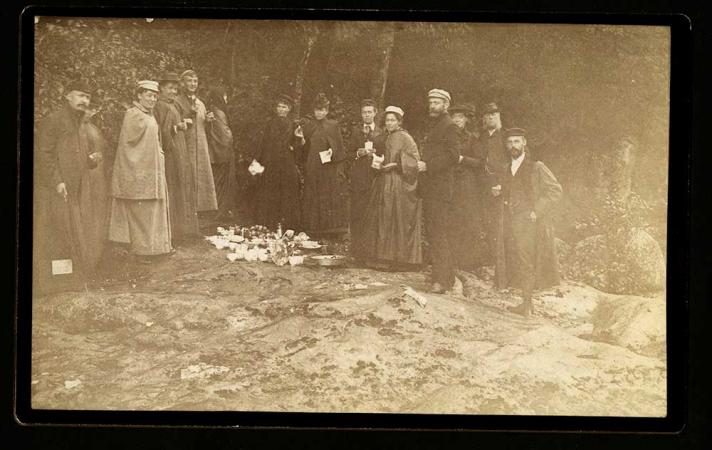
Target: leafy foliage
(576, 89)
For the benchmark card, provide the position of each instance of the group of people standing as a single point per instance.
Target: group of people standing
(175, 159)
(449, 191)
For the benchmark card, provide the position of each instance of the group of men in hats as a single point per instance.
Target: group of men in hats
(489, 181)
(161, 178)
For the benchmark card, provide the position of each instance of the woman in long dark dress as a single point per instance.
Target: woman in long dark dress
(277, 196)
(467, 211)
(324, 205)
(222, 155)
(393, 221)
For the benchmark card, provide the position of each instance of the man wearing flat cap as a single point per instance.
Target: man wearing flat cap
(69, 229)
(361, 146)
(529, 191)
(179, 175)
(495, 159)
(195, 115)
(440, 154)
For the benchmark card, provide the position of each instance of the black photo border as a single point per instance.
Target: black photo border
(677, 256)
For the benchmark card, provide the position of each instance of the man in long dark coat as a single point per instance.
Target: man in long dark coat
(179, 175)
(70, 212)
(361, 145)
(529, 191)
(495, 159)
(440, 153)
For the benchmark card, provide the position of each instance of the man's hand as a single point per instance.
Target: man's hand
(62, 190)
(182, 126)
(96, 157)
(496, 190)
(422, 167)
(532, 216)
(460, 159)
(362, 152)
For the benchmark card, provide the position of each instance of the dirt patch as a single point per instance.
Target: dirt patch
(195, 331)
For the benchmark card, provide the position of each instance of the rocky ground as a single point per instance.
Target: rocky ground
(195, 331)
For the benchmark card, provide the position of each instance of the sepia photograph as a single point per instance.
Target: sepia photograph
(353, 216)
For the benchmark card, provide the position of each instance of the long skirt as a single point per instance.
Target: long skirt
(393, 221)
(144, 224)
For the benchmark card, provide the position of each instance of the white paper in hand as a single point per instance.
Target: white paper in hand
(377, 161)
(255, 168)
(325, 156)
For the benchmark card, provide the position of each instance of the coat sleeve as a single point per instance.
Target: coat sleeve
(134, 127)
(474, 161)
(167, 130)
(450, 154)
(338, 143)
(48, 159)
(409, 158)
(548, 189)
(220, 131)
(353, 144)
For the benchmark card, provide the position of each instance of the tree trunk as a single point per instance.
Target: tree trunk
(380, 80)
(299, 82)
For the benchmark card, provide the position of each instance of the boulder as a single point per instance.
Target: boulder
(636, 323)
(637, 263)
(586, 262)
(630, 262)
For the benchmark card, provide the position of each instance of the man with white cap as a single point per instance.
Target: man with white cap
(139, 208)
(440, 154)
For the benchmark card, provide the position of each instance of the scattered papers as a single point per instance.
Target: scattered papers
(201, 370)
(71, 384)
(410, 292)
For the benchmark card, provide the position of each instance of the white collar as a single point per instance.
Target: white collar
(491, 132)
(371, 125)
(517, 162)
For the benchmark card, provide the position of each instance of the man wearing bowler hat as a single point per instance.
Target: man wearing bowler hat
(529, 191)
(70, 195)
(495, 158)
(440, 153)
(179, 175)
